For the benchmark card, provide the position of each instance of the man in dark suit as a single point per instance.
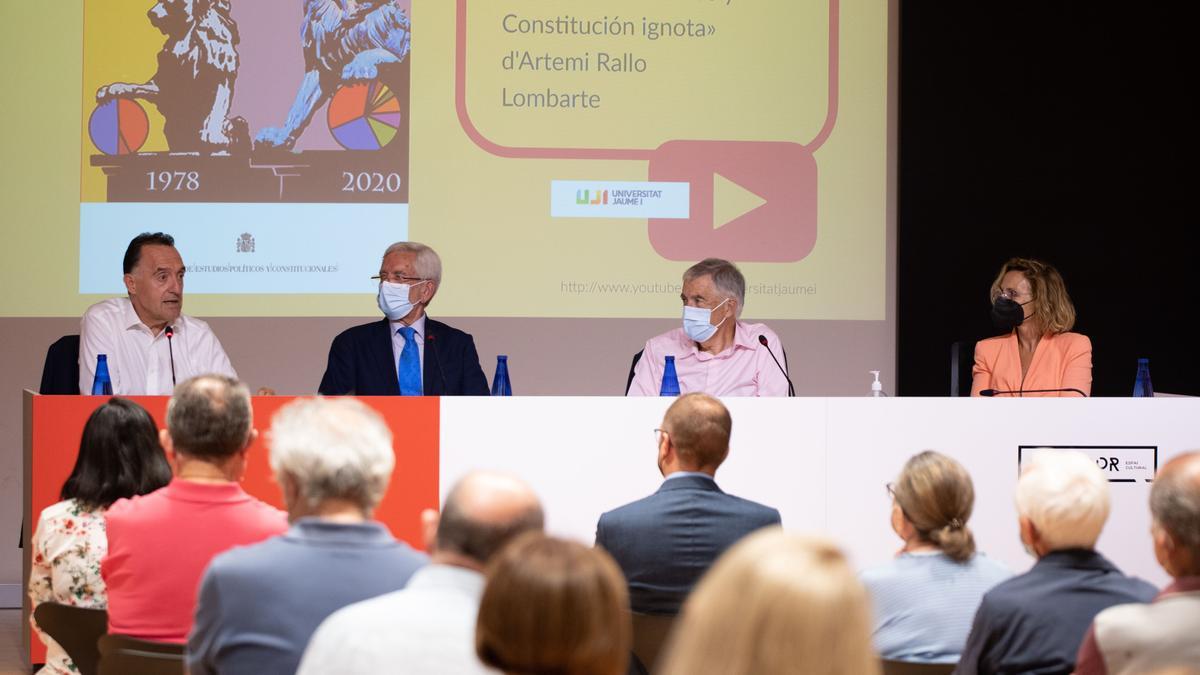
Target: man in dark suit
(406, 353)
(665, 542)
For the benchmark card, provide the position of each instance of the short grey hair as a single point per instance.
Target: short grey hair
(427, 263)
(725, 276)
(333, 448)
(1175, 502)
(209, 417)
(1065, 495)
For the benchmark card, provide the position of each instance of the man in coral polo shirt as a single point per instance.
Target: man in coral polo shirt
(159, 544)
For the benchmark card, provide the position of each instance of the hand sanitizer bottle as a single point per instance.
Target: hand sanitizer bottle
(876, 386)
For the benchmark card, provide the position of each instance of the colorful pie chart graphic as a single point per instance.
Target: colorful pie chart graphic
(364, 116)
(118, 126)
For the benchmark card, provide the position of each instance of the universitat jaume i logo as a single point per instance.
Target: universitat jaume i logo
(585, 197)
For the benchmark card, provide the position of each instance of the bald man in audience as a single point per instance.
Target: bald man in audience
(665, 542)
(1165, 633)
(429, 627)
(1034, 622)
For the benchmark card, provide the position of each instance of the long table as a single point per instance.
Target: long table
(823, 462)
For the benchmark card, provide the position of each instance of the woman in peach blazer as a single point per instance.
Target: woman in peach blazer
(1029, 299)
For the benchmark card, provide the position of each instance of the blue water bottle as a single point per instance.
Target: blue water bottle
(670, 381)
(102, 385)
(501, 386)
(1141, 384)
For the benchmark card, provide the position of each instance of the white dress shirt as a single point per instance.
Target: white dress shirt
(428, 628)
(139, 362)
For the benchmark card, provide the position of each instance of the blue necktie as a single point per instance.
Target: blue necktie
(410, 364)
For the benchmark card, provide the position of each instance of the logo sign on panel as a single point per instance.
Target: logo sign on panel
(1120, 463)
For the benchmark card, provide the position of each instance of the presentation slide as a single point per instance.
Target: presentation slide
(567, 158)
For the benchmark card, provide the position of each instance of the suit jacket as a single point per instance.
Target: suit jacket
(1060, 361)
(665, 542)
(1034, 622)
(258, 605)
(360, 362)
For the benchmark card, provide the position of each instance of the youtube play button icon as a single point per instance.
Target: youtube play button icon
(750, 201)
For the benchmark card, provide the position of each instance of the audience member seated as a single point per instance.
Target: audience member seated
(553, 606)
(775, 604)
(429, 627)
(1034, 622)
(160, 543)
(1143, 638)
(924, 599)
(665, 542)
(119, 457)
(259, 605)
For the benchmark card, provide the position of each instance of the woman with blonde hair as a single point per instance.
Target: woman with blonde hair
(553, 607)
(1037, 351)
(775, 603)
(925, 599)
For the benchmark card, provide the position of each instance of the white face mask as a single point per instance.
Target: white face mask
(697, 322)
(393, 299)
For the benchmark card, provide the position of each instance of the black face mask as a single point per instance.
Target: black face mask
(1007, 314)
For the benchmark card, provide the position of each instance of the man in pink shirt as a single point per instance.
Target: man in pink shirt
(715, 353)
(159, 544)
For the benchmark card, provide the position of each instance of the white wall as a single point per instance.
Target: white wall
(823, 462)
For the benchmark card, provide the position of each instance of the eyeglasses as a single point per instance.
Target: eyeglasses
(396, 278)
(1009, 293)
(891, 492)
(659, 433)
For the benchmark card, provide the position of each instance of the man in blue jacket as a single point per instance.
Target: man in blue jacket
(406, 353)
(1034, 622)
(665, 542)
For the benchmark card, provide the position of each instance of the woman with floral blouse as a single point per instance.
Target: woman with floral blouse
(119, 456)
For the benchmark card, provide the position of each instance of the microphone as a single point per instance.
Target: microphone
(997, 392)
(432, 344)
(170, 332)
(762, 339)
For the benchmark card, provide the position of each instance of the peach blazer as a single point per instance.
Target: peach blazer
(1062, 360)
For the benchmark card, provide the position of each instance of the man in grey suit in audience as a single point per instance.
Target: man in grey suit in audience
(259, 605)
(665, 542)
(429, 627)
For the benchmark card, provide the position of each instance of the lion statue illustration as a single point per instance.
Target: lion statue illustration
(344, 41)
(193, 87)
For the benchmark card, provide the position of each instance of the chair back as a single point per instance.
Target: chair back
(910, 668)
(650, 633)
(636, 357)
(60, 374)
(123, 655)
(962, 363)
(76, 630)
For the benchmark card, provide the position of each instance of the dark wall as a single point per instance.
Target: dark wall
(1054, 131)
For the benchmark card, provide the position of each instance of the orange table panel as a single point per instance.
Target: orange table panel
(54, 425)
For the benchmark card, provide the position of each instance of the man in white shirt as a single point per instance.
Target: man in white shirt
(150, 345)
(428, 628)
